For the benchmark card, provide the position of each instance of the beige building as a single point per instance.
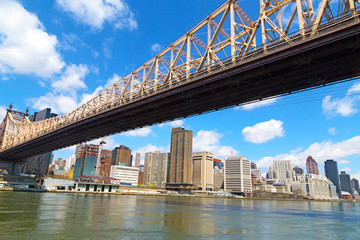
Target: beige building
(312, 186)
(203, 173)
(122, 155)
(237, 175)
(218, 181)
(180, 167)
(155, 168)
(281, 171)
(137, 159)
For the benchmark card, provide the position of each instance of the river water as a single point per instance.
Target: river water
(26, 215)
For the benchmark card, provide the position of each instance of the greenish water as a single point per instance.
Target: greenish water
(90, 216)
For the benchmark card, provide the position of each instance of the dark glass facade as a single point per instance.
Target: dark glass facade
(332, 173)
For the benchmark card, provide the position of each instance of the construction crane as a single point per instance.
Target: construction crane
(97, 170)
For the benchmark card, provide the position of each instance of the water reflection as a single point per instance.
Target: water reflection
(93, 216)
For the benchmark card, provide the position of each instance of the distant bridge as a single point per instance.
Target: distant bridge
(216, 64)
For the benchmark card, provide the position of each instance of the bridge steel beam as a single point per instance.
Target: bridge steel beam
(323, 59)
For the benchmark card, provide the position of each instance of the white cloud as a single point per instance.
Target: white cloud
(87, 96)
(342, 106)
(173, 124)
(2, 113)
(258, 104)
(72, 79)
(155, 48)
(344, 162)
(264, 131)
(141, 132)
(209, 141)
(319, 151)
(25, 47)
(96, 12)
(59, 104)
(346, 169)
(332, 131)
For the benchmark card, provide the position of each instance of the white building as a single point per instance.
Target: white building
(70, 161)
(312, 186)
(237, 175)
(203, 173)
(126, 175)
(281, 171)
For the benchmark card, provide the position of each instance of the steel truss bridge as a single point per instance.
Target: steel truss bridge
(227, 59)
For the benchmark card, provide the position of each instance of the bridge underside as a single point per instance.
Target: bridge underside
(318, 61)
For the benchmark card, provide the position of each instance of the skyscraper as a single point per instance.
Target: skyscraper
(281, 170)
(331, 172)
(86, 159)
(39, 164)
(345, 182)
(180, 167)
(355, 185)
(121, 154)
(105, 163)
(155, 168)
(312, 166)
(137, 159)
(237, 176)
(203, 173)
(298, 170)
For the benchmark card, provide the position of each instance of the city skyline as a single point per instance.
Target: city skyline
(322, 123)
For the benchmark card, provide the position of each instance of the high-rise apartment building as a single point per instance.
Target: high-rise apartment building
(203, 173)
(281, 171)
(312, 166)
(298, 171)
(86, 158)
(355, 185)
(345, 182)
(180, 164)
(105, 163)
(155, 168)
(237, 175)
(39, 164)
(253, 165)
(331, 172)
(121, 154)
(137, 159)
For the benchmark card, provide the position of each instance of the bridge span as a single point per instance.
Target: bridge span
(194, 75)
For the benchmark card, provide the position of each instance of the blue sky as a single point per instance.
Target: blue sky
(58, 53)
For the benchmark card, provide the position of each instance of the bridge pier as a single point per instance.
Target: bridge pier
(12, 167)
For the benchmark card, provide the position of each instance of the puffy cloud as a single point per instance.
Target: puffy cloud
(258, 104)
(173, 124)
(87, 96)
(332, 131)
(25, 46)
(209, 141)
(141, 132)
(319, 151)
(264, 131)
(155, 48)
(96, 12)
(72, 79)
(342, 106)
(59, 103)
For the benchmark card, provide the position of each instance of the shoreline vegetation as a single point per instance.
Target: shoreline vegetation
(157, 194)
